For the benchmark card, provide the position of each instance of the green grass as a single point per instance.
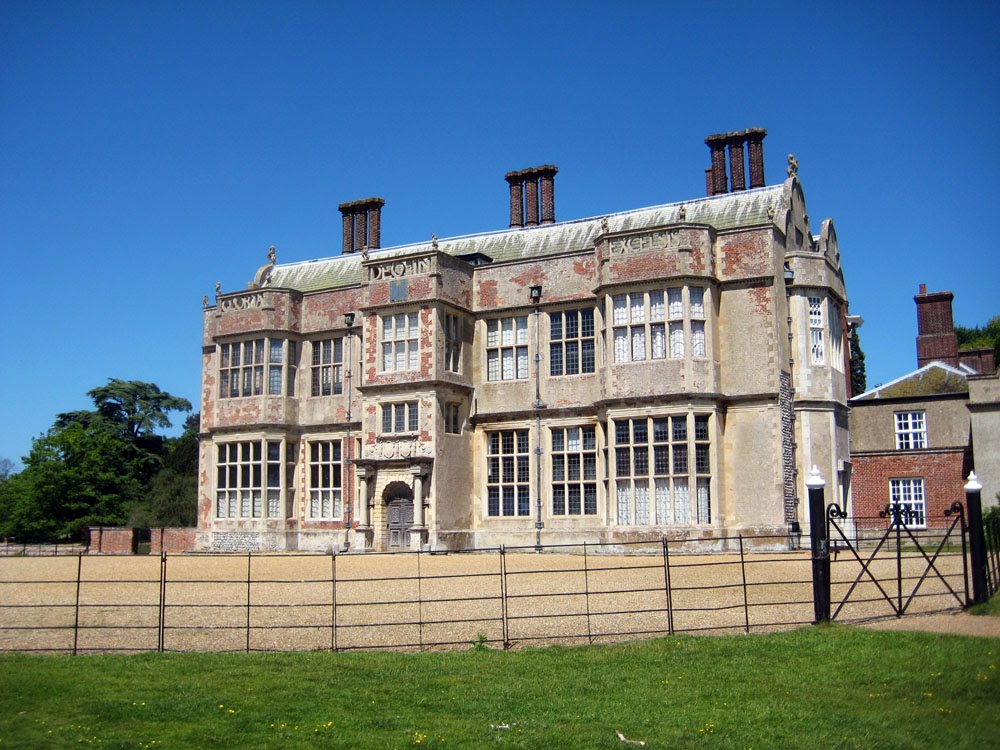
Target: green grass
(990, 607)
(820, 687)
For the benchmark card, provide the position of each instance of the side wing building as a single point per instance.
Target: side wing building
(672, 370)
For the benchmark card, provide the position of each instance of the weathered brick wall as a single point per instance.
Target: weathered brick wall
(110, 540)
(942, 472)
(171, 540)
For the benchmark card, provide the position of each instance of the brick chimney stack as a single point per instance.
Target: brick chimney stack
(362, 224)
(936, 339)
(532, 196)
(717, 181)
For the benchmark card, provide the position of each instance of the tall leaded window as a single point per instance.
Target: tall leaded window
(574, 471)
(245, 367)
(401, 417)
(327, 367)
(571, 342)
(907, 495)
(658, 324)
(325, 480)
(911, 430)
(248, 479)
(452, 343)
(507, 348)
(453, 418)
(400, 342)
(507, 476)
(663, 470)
(817, 350)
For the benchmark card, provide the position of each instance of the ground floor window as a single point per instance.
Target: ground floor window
(325, 480)
(662, 470)
(508, 473)
(908, 496)
(248, 479)
(574, 471)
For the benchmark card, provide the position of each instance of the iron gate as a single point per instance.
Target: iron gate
(897, 564)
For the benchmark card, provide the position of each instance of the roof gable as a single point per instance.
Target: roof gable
(934, 379)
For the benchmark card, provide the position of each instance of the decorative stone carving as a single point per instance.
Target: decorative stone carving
(397, 269)
(243, 302)
(401, 449)
(793, 165)
(667, 239)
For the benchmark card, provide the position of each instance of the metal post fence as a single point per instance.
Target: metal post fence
(667, 587)
(746, 604)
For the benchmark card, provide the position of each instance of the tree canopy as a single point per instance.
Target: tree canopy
(987, 335)
(95, 467)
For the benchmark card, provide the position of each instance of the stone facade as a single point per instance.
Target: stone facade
(668, 370)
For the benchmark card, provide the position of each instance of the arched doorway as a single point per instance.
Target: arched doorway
(398, 498)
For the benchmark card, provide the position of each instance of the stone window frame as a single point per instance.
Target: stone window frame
(661, 468)
(502, 349)
(663, 323)
(453, 332)
(400, 417)
(910, 429)
(399, 341)
(909, 494)
(817, 345)
(257, 366)
(325, 476)
(453, 418)
(327, 367)
(248, 479)
(573, 470)
(572, 350)
(508, 474)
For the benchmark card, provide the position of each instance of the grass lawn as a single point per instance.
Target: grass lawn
(819, 687)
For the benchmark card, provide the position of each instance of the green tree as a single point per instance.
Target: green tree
(981, 336)
(91, 467)
(859, 379)
(172, 499)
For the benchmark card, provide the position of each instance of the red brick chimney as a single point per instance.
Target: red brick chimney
(716, 179)
(362, 224)
(532, 196)
(936, 339)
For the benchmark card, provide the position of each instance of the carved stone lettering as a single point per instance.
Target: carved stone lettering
(243, 302)
(667, 239)
(397, 269)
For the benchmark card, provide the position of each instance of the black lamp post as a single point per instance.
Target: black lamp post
(535, 295)
(349, 506)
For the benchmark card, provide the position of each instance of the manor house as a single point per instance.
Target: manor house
(672, 370)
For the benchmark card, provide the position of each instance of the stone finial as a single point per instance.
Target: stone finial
(272, 256)
(218, 288)
(204, 301)
(682, 213)
(364, 253)
(793, 165)
(434, 241)
(605, 227)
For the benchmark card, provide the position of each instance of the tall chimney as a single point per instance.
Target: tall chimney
(516, 199)
(755, 142)
(736, 167)
(531, 199)
(936, 339)
(547, 176)
(717, 143)
(362, 224)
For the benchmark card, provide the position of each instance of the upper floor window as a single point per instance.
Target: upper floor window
(662, 469)
(571, 347)
(816, 348)
(401, 417)
(911, 430)
(574, 471)
(507, 475)
(400, 342)
(507, 348)
(248, 479)
(327, 367)
(245, 367)
(453, 418)
(325, 480)
(658, 324)
(452, 343)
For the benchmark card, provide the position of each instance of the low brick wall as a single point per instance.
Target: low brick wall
(172, 539)
(109, 540)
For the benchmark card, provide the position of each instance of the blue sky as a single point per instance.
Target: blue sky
(149, 150)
